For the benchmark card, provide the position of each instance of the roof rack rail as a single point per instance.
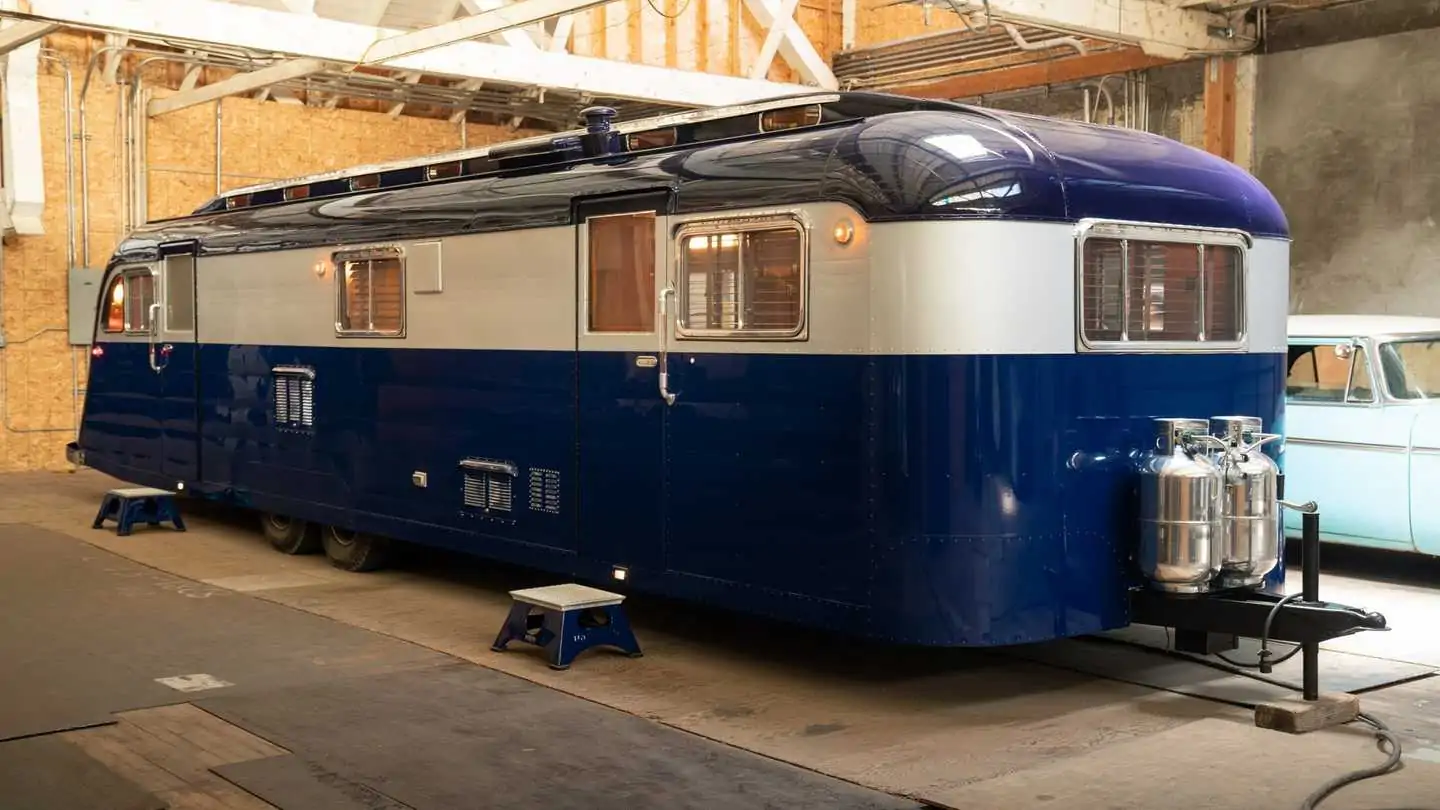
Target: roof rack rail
(538, 150)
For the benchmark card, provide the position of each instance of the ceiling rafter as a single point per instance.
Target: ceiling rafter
(339, 45)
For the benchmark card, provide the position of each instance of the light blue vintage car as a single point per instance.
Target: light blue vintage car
(1363, 429)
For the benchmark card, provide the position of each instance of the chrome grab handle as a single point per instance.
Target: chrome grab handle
(664, 351)
(154, 333)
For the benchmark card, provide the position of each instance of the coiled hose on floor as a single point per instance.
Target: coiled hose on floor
(1384, 736)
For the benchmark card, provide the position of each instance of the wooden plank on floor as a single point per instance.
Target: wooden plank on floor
(170, 751)
(204, 730)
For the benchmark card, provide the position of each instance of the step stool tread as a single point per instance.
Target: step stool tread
(139, 492)
(569, 596)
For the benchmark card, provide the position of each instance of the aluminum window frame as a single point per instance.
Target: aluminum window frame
(741, 224)
(587, 270)
(122, 275)
(1126, 231)
(339, 257)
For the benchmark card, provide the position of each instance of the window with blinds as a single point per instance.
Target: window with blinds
(1142, 290)
(742, 280)
(372, 292)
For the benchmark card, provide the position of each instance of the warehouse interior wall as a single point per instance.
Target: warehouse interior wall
(1351, 158)
(42, 376)
(1175, 93)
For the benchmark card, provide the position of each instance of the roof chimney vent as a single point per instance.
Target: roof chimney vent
(599, 138)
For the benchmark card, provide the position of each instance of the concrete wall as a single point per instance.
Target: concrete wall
(1346, 138)
(41, 375)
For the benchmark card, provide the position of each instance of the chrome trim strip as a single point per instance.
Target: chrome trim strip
(480, 465)
(1380, 448)
(303, 371)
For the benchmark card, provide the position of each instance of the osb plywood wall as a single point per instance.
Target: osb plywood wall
(714, 36)
(41, 375)
(880, 21)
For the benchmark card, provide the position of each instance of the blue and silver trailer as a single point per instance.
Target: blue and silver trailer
(852, 360)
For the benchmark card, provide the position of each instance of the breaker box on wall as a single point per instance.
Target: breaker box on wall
(84, 297)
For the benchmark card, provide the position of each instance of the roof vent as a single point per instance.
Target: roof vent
(599, 138)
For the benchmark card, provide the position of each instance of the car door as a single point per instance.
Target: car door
(1343, 448)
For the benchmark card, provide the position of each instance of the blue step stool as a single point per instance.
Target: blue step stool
(128, 506)
(566, 620)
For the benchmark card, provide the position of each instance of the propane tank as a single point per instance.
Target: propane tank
(1180, 488)
(1250, 542)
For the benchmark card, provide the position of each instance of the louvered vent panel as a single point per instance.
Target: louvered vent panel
(545, 491)
(294, 397)
(488, 485)
(475, 490)
(500, 496)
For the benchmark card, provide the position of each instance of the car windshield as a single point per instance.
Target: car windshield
(1412, 368)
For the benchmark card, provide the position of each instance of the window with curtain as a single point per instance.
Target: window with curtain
(127, 302)
(622, 273)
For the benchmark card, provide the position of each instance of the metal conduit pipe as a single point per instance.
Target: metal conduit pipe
(219, 142)
(139, 186)
(84, 129)
(85, 153)
(1044, 44)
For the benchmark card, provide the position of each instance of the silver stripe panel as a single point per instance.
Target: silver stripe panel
(971, 287)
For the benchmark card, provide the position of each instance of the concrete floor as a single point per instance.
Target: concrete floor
(950, 728)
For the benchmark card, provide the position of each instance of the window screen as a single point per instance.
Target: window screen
(372, 292)
(1144, 290)
(742, 281)
(180, 294)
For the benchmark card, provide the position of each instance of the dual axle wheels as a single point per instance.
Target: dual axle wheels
(347, 550)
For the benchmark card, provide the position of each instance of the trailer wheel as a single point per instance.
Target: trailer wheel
(288, 534)
(355, 551)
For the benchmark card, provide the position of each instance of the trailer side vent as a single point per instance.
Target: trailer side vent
(488, 485)
(294, 397)
(545, 490)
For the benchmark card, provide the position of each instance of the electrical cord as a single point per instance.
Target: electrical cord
(1264, 664)
(1384, 736)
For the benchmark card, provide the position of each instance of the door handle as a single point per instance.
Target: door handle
(664, 325)
(154, 333)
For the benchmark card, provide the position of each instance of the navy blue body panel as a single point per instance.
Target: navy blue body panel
(937, 500)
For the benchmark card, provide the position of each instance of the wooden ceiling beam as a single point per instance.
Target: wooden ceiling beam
(1035, 74)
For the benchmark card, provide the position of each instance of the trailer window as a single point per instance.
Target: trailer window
(743, 280)
(1152, 290)
(622, 272)
(128, 301)
(371, 292)
(115, 306)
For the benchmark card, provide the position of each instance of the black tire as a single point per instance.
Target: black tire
(355, 551)
(290, 535)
